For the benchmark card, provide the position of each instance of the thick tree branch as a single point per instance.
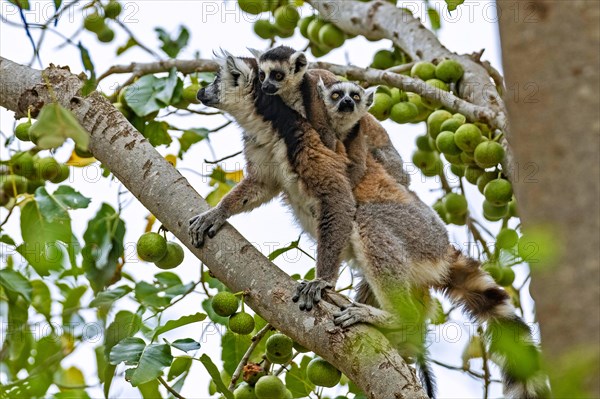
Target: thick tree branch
(361, 352)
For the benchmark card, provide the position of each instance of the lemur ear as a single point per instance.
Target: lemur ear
(321, 88)
(256, 53)
(370, 94)
(298, 60)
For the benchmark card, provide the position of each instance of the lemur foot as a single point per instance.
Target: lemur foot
(360, 313)
(309, 293)
(207, 223)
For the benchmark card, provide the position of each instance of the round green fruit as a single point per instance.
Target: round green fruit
(460, 117)
(494, 271)
(22, 163)
(94, 23)
(455, 204)
(331, 36)
(323, 374)
(507, 239)
(445, 143)
(279, 345)
(190, 93)
(33, 185)
(472, 173)
(383, 59)
(458, 170)
(507, 278)
(439, 207)
(112, 9)
(264, 29)
(425, 160)
(22, 131)
(459, 220)
(492, 212)
(451, 125)
(397, 95)
(253, 7)
(423, 70)
(225, 303)
(381, 107)
(286, 17)
(14, 185)
(498, 192)
(279, 359)
(303, 25)
(484, 179)
(404, 112)
(318, 51)
(300, 348)
(151, 247)
(106, 35)
(244, 391)
(241, 323)
(449, 71)
(467, 158)
(62, 175)
(288, 394)
(437, 84)
(423, 143)
(313, 30)
(47, 168)
(435, 120)
(468, 137)
(269, 387)
(173, 258)
(453, 159)
(423, 110)
(488, 154)
(384, 89)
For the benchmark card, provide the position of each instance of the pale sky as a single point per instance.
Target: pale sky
(215, 24)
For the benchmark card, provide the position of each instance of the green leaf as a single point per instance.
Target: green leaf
(131, 42)
(72, 394)
(453, 4)
(216, 376)
(54, 125)
(190, 137)
(86, 60)
(166, 287)
(149, 93)
(180, 365)
(296, 380)
(71, 303)
(207, 306)
(280, 251)
(70, 378)
(128, 350)
(68, 198)
(185, 344)
(182, 321)
(126, 324)
(14, 281)
(149, 390)
(434, 18)
(100, 362)
(7, 240)
(157, 133)
(172, 47)
(106, 298)
(215, 196)
(41, 298)
(153, 359)
(165, 95)
(103, 247)
(233, 348)
(24, 4)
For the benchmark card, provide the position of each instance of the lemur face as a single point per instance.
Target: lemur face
(232, 84)
(280, 69)
(346, 98)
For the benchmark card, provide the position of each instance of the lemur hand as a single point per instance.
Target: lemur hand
(208, 222)
(309, 293)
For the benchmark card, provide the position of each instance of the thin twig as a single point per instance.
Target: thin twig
(130, 33)
(477, 235)
(223, 159)
(284, 366)
(486, 369)
(169, 388)
(255, 341)
(468, 371)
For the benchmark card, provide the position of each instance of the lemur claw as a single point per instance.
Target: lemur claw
(309, 293)
(207, 223)
(350, 315)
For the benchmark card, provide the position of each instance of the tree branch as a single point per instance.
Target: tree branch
(361, 352)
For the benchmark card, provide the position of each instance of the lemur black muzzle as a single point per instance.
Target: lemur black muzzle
(269, 88)
(346, 105)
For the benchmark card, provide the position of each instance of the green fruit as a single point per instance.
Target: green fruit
(467, 158)
(94, 23)
(279, 359)
(460, 117)
(14, 185)
(381, 107)
(106, 35)
(62, 175)
(424, 159)
(4, 198)
(512, 208)
(269, 387)
(313, 30)
(467, 137)
(384, 89)
(507, 239)
(453, 159)
(488, 154)
(458, 170)
(279, 344)
(303, 25)
(397, 95)
(254, 7)
(493, 212)
(445, 143)
(441, 210)
(241, 323)
(300, 348)
(484, 179)
(190, 93)
(323, 374)
(455, 204)
(244, 391)
(47, 168)
(22, 163)
(331, 36)
(507, 278)
(225, 303)
(173, 258)
(112, 9)
(22, 131)
(423, 110)
(423, 143)
(459, 220)
(286, 17)
(472, 173)
(494, 271)
(288, 394)
(33, 185)
(498, 192)
(438, 84)
(151, 247)
(449, 71)
(423, 70)
(318, 51)
(383, 59)
(404, 112)
(264, 29)
(451, 124)
(435, 120)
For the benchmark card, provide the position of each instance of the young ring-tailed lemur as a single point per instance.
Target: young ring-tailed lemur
(403, 244)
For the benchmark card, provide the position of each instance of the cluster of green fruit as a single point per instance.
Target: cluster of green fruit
(152, 247)
(385, 59)
(226, 304)
(323, 36)
(399, 106)
(96, 21)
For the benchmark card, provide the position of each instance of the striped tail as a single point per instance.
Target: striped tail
(508, 336)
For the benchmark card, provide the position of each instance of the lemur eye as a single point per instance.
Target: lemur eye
(279, 76)
(356, 97)
(335, 96)
(261, 76)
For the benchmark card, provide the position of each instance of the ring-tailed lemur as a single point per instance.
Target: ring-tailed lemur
(416, 258)
(284, 72)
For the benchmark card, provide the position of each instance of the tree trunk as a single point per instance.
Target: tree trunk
(551, 62)
(361, 352)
